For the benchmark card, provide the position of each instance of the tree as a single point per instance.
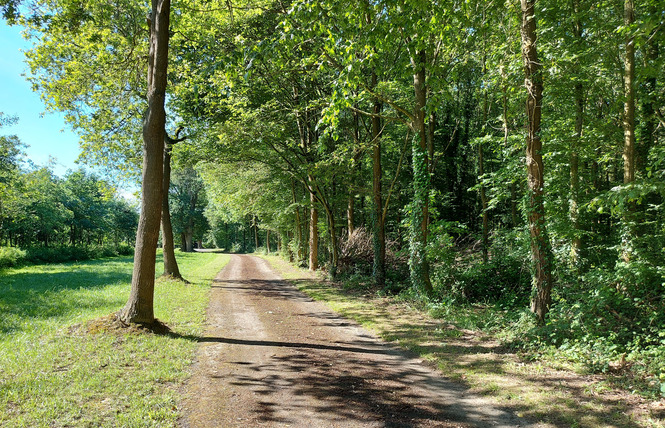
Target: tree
(540, 247)
(188, 197)
(171, 268)
(139, 307)
(628, 120)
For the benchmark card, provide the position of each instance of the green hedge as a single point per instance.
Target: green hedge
(11, 256)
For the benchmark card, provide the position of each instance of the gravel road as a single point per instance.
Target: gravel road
(273, 357)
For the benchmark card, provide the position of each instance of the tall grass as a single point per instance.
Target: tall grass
(54, 373)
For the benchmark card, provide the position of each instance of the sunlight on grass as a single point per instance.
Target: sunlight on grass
(52, 373)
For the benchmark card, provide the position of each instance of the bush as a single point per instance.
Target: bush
(10, 256)
(501, 280)
(65, 253)
(125, 250)
(459, 274)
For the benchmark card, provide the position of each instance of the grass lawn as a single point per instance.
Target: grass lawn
(53, 373)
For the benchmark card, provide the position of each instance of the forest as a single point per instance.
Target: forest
(499, 155)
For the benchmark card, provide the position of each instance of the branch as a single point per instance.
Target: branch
(376, 95)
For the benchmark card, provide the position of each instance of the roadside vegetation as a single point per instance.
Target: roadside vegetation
(63, 364)
(480, 346)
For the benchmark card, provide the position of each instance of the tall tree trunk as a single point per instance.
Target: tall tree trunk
(301, 253)
(256, 234)
(418, 263)
(573, 209)
(483, 203)
(313, 234)
(349, 215)
(379, 235)
(481, 162)
(628, 130)
(334, 251)
(170, 263)
(267, 241)
(629, 103)
(139, 307)
(189, 238)
(540, 246)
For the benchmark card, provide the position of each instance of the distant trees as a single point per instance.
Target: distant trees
(188, 201)
(39, 209)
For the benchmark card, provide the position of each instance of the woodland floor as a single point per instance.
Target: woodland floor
(271, 356)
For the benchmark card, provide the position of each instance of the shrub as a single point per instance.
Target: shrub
(125, 250)
(10, 256)
(65, 253)
(501, 280)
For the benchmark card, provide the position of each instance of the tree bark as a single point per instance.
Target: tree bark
(540, 246)
(189, 238)
(481, 163)
(168, 248)
(349, 215)
(139, 307)
(628, 130)
(419, 265)
(573, 209)
(256, 234)
(334, 251)
(379, 236)
(267, 241)
(629, 103)
(313, 234)
(483, 202)
(300, 255)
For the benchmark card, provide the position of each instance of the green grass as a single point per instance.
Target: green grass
(55, 374)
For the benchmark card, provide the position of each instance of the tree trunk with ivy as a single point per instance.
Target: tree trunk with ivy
(379, 235)
(628, 228)
(541, 254)
(418, 263)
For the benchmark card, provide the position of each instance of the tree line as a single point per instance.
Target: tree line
(474, 151)
(43, 213)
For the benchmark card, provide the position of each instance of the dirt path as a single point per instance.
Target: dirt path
(273, 357)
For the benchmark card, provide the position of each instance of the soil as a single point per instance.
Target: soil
(273, 357)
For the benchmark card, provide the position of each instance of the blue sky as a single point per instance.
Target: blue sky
(45, 133)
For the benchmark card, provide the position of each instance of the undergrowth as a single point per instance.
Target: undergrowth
(606, 320)
(13, 257)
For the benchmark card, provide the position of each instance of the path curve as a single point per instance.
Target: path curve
(273, 357)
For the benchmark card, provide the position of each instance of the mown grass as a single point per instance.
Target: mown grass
(451, 340)
(54, 373)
